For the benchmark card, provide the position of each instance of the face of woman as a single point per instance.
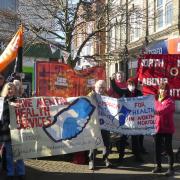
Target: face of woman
(119, 77)
(163, 92)
(11, 91)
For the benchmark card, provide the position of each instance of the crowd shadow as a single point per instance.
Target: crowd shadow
(91, 176)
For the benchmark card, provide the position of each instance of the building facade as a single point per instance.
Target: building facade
(148, 28)
(94, 48)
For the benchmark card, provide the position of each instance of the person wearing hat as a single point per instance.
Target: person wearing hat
(164, 122)
(137, 140)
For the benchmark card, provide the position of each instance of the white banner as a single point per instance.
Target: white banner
(46, 126)
(131, 116)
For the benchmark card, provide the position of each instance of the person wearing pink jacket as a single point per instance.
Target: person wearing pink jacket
(164, 112)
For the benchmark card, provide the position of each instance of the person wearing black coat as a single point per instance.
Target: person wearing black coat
(137, 140)
(9, 94)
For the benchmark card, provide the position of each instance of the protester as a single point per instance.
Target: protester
(9, 92)
(99, 89)
(119, 80)
(164, 112)
(121, 140)
(137, 140)
(19, 88)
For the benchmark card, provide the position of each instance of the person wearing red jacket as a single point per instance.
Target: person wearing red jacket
(164, 112)
(120, 139)
(119, 80)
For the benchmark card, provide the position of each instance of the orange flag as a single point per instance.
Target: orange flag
(11, 51)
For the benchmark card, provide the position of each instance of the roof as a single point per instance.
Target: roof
(42, 51)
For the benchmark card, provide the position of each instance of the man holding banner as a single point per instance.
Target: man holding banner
(121, 140)
(99, 89)
(137, 140)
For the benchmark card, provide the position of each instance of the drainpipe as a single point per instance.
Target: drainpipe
(126, 43)
(147, 25)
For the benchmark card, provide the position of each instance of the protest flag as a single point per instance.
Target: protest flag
(12, 51)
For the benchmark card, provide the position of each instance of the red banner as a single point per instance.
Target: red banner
(155, 68)
(56, 79)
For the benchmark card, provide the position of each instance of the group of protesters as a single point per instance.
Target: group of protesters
(164, 110)
(164, 123)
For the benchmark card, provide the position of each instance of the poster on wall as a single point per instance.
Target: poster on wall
(57, 79)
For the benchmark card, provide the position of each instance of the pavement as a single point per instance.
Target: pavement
(61, 167)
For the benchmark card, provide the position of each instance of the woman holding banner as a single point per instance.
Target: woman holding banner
(164, 111)
(9, 93)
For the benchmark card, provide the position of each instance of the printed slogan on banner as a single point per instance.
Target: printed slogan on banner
(155, 69)
(131, 116)
(47, 126)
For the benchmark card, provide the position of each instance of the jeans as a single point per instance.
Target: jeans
(18, 166)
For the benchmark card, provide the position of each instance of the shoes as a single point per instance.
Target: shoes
(157, 170)
(91, 165)
(170, 172)
(21, 177)
(107, 163)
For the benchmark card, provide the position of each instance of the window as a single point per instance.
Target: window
(164, 9)
(168, 13)
(159, 3)
(160, 18)
(135, 24)
(8, 5)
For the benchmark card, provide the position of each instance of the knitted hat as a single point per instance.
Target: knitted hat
(132, 80)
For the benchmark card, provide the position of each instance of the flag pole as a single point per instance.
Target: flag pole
(19, 58)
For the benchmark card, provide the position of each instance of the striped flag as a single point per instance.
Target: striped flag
(12, 50)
